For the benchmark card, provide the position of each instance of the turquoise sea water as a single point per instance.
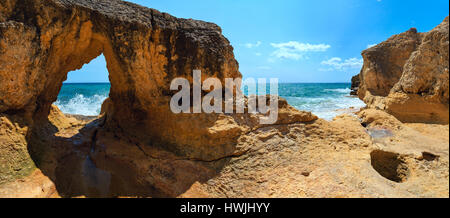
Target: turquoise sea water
(82, 98)
(326, 100)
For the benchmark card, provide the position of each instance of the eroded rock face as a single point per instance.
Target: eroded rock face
(15, 161)
(380, 157)
(336, 159)
(144, 51)
(426, 72)
(383, 63)
(407, 75)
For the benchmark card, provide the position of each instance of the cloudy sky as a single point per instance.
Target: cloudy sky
(297, 40)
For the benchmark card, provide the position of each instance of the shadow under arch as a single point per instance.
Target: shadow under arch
(91, 161)
(142, 57)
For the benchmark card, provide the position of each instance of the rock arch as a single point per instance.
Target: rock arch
(144, 50)
(146, 149)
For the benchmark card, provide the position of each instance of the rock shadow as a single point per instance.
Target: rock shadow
(91, 161)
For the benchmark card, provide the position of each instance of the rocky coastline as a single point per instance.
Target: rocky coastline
(395, 147)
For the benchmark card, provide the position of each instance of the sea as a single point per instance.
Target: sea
(326, 100)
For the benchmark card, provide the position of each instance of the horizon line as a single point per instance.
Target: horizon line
(279, 82)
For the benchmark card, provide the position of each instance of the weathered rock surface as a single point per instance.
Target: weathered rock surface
(15, 161)
(407, 76)
(356, 81)
(41, 41)
(337, 159)
(342, 158)
(36, 185)
(383, 63)
(144, 51)
(139, 148)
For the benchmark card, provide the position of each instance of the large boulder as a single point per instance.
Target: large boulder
(383, 63)
(407, 75)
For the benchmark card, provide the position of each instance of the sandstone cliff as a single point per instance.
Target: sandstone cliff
(139, 148)
(144, 49)
(43, 40)
(407, 75)
(58, 36)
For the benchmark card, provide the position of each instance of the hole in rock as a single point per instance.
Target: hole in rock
(306, 174)
(389, 165)
(91, 159)
(79, 172)
(84, 91)
(429, 156)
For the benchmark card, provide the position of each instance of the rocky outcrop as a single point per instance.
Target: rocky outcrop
(372, 155)
(407, 75)
(62, 35)
(355, 85)
(337, 159)
(383, 63)
(138, 148)
(144, 51)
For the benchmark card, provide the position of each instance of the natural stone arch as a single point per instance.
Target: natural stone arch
(144, 50)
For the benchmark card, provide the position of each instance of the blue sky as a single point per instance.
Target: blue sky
(297, 40)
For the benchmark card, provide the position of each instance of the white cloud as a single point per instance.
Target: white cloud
(296, 50)
(301, 47)
(284, 54)
(371, 45)
(258, 54)
(253, 45)
(342, 65)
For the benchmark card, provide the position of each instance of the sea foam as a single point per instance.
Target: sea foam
(82, 105)
(324, 100)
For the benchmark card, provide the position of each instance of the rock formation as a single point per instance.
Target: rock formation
(139, 148)
(355, 85)
(337, 159)
(144, 51)
(407, 75)
(61, 35)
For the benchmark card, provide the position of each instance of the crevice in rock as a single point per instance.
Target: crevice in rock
(189, 159)
(306, 173)
(429, 156)
(276, 125)
(94, 140)
(364, 124)
(390, 165)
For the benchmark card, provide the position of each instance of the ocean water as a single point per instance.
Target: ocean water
(326, 100)
(82, 98)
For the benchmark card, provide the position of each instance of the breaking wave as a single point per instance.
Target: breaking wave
(82, 105)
